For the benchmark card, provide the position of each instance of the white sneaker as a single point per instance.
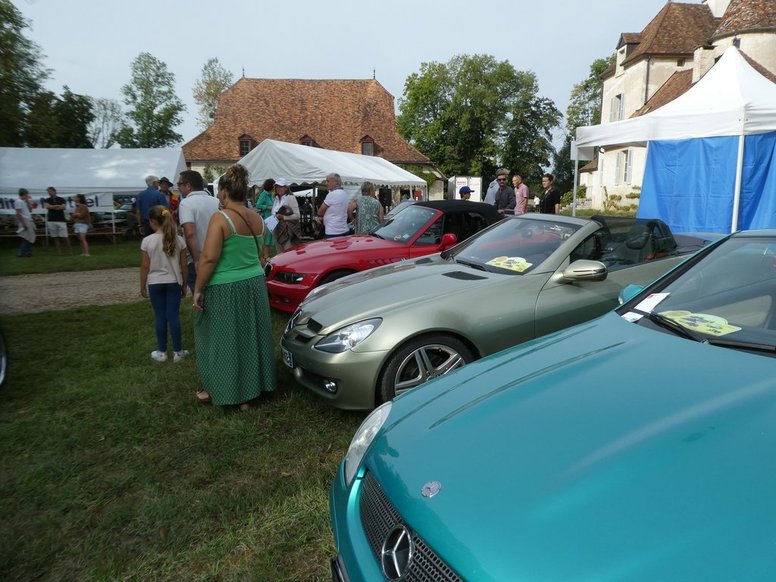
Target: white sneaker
(159, 356)
(178, 356)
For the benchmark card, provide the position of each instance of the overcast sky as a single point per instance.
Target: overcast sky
(89, 44)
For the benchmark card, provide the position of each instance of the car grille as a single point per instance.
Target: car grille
(379, 517)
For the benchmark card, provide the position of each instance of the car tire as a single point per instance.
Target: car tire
(420, 360)
(334, 275)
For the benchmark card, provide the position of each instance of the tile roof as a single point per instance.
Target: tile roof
(629, 38)
(335, 114)
(747, 16)
(681, 81)
(675, 85)
(758, 67)
(677, 30)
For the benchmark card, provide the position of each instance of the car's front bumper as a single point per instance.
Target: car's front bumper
(284, 296)
(346, 380)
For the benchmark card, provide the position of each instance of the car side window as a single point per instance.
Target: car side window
(591, 248)
(433, 234)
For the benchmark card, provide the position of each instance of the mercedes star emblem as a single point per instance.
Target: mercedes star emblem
(431, 488)
(397, 553)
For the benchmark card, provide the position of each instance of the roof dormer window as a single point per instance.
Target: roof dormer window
(247, 143)
(307, 140)
(367, 146)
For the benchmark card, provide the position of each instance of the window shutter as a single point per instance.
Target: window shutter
(628, 166)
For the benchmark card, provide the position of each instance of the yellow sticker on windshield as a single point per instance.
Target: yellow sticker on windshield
(518, 264)
(702, 322)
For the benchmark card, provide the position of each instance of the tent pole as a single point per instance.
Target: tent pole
(576, 180)
(737, 191)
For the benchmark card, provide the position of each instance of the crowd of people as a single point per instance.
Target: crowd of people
(514, 199)
(217, 247)
(219, 256)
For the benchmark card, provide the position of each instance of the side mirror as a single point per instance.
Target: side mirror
(449, 240)
(585, 270)
(629, 292)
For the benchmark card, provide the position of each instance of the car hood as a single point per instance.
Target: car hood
(606, 451)
(374, 293)
(303, 257)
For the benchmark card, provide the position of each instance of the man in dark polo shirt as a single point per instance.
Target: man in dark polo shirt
(56, 222)
(145, 200)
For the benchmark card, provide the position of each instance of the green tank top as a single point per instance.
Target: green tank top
(238, 260)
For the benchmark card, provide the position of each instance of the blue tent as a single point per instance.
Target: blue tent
(711, 157)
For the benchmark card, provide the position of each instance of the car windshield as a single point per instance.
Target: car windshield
(405, 225)
(727, 298)
(398, 208)
(514, 246)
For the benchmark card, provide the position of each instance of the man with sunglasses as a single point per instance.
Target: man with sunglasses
(493, 187)
(505, 195)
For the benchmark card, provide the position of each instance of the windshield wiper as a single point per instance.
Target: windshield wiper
(671, 325)
(472, 265)
(728, 343)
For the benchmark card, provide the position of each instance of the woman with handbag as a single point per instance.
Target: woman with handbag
(288, 232)
(233, 329)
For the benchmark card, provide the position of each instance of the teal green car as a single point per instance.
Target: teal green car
(637, 446)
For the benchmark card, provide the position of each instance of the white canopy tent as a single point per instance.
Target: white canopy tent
(308, 166)
(85, 171)
(732, 99)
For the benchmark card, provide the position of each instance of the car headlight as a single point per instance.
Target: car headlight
(364, 436)
(289, 278)
(348, 337)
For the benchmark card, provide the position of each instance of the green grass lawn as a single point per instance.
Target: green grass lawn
(104, 255)
(111, 470)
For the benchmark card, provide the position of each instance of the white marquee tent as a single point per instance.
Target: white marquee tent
(308, 166)
(85, 171)
(696, 162)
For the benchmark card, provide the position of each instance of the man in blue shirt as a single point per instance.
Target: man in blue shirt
(145, 200)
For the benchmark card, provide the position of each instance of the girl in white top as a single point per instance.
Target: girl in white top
(163, 276)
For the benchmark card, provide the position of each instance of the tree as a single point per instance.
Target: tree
(585, 101)
(74, 113)
(41, 124)
(473, 114)
(59, 122)
(563, 168)
(528, 148)
(584, 109)
(21, 75)
(154, 109)
(214, 80)
(106, 123)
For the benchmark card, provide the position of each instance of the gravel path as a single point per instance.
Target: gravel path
(56, 291)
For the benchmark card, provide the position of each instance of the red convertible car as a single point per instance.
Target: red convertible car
(420, 229)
